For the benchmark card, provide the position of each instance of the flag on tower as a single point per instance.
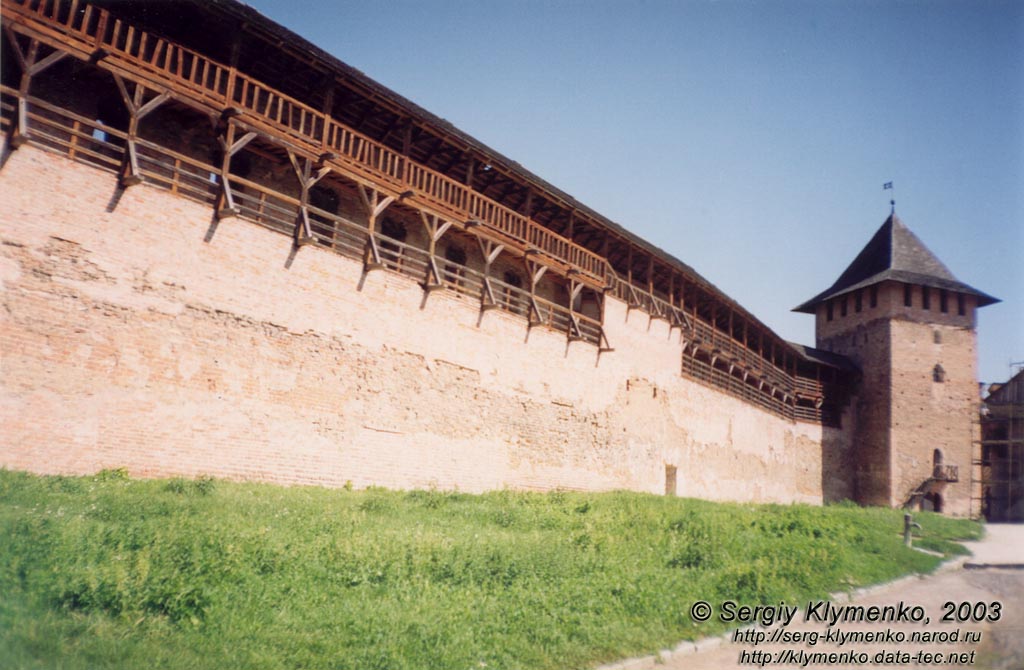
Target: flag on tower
(886, 185)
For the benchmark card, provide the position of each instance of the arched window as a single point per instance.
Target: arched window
(938, 374)
(937, 457)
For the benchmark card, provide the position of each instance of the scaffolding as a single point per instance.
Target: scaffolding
(998, 472)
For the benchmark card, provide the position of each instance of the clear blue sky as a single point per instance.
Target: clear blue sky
(751, 140)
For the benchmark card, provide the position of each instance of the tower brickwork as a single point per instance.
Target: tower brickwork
(909, 326)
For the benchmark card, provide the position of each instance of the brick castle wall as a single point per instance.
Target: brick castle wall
(137, 332)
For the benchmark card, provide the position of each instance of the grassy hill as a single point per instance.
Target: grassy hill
(107, 572)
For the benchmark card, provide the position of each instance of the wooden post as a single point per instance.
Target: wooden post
(328, 109)
(229, 147)
(574, 330)
(436, 227)
(374, 206)
(29, 68)
(535, 271)
(131, 174)
(307, 178)
(490, 250)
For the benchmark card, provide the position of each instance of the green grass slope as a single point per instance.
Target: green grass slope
(107, 572)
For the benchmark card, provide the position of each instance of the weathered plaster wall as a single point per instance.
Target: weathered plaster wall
(134, 332)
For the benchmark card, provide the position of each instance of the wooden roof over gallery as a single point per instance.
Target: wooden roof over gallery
(237, 34)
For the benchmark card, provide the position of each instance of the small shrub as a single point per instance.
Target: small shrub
(112, 475)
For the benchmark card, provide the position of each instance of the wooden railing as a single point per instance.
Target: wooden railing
(87, 30)
(765, 385)
(102, 146)
(642, 298)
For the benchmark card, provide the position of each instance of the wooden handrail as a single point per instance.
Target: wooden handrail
(188, 72)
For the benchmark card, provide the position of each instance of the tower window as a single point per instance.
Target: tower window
(943, 301)
(908, 295)
(858, 302)
(828, 310)
(842, 306)
(961, 308)
(938, 374)
(926, 298)
(874, 296)
(937, 336)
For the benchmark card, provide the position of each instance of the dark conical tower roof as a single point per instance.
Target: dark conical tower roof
(894, 253)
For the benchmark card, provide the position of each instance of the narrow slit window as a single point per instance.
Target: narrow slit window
(829, 312)
(842, 307)
(943, 301)
(858, 302)
(926, 298)
(961, 308)
(874, 296)
(908, 295)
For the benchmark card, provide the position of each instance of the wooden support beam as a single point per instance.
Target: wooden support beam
(229, 146)
(374, 205)
(575, 332)
(490, 250)
(308, 174)
(328, 110)
(534, 271)
(30, 65)
(138, 108)
(436, 227)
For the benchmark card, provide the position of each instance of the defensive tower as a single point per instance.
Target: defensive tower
(902, 317)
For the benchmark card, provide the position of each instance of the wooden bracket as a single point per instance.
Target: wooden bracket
(575, 331)
(535, 271)
(138, 108)
(229, 147)
(436, 227)
(30, 66)
(374, 205)
(490, 251)
(308, 175)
